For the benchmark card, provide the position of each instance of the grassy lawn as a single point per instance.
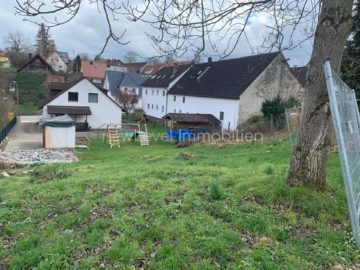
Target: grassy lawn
(162, 207)
(26, 109)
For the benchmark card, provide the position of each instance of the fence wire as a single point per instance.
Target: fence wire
(345, 115)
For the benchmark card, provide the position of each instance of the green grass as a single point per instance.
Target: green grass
(128, 208)
(26, 109)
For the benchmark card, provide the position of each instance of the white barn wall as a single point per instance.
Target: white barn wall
(104, 112)
(154, 101)
(213, 106)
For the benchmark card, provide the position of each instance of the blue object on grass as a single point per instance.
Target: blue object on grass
(180, 135)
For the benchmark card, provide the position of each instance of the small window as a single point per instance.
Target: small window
(174, 98)
(73, 96)
(221, 115)
(93, 98)
(183, 99)
(179, 111)
(164, 93)
(152, 106)
(174, 110)
(152, 92)
(157, 107)
(146, 92)
(148, 106)
(162, 108)
(157, 92)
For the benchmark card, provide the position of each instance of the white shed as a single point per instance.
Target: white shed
(59, 132)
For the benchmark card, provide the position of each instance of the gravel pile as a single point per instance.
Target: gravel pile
(38, 156)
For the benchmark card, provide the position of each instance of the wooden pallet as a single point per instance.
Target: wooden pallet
(112, 136)
(144, 138)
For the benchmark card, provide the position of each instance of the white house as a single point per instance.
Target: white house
(155, 89)
(233, 90)
(86, 104)
(58, 61)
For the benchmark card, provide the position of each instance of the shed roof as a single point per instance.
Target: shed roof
(188, 118)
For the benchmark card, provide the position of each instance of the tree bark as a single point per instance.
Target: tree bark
(310, 156)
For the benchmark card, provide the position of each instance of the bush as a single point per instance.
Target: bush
(44, 174)
(276, 107)
(216, 192)
(138, 115)
(31, 86)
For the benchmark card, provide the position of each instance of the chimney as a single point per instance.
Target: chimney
(30, 56)
(210, 60)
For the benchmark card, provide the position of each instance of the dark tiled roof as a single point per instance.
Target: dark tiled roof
(188, 118)
(151, 69)
(36, 58)
(58, 86)
(165, 76)
(226, 79)
(118, 79)
(300, 74)
(73, 110)
(65, 57)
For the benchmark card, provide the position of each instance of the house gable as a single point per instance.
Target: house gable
(276, 79)
(102, 112)
(57, 62)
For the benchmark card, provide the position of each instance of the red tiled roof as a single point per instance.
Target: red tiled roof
(93, 69)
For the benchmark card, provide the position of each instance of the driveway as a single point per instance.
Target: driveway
(26, 135)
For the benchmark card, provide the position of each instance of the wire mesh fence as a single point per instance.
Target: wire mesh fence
(345, 115)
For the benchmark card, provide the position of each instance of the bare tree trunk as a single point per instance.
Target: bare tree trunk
(310, 156)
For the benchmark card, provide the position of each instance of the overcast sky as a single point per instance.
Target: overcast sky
(86, 34)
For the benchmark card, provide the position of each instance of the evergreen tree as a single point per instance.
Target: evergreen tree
(351, 61)
(44, 44)
(77, 65)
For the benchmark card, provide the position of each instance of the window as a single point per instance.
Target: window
(162, 108)
(221, 115)
(146, 92)
(183, 99)
(152, 106)
(148, 106)
(157, 107)
(93, 98)
(73, 96)
(157, 92)
(164, 93)
(174, 110)
(174, 98)
(179, 111)
(152, 92)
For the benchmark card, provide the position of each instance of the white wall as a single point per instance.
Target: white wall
(154, 101)
(56, 62)
(212, 106)
(106, 111)
(59, 137)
